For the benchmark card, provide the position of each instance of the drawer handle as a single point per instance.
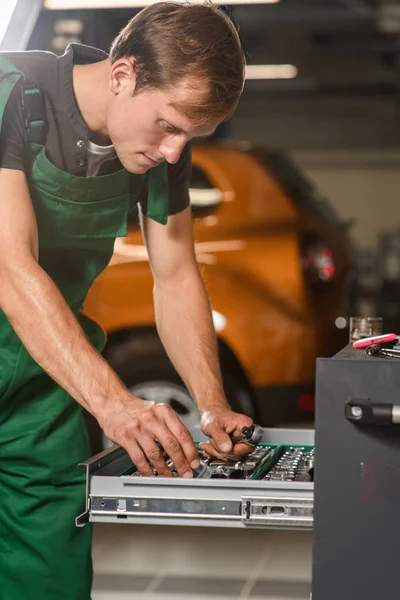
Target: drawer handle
(362, 411)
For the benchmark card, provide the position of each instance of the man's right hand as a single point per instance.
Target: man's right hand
(137, 425)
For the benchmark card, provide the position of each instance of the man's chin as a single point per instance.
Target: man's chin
(138, 162)
(135, 167)
(137, 170)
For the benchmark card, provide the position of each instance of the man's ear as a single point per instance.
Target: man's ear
(123, 75)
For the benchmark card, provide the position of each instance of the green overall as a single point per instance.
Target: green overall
(43, 556)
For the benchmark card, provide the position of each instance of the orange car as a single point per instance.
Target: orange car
(274, 257)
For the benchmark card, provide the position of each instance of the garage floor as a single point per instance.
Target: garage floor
(172, 563)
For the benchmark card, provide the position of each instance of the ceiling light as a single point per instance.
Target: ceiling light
(271, 72)
(81, 4)
(6, 13)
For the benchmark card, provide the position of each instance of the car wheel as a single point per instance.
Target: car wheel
(144, 367)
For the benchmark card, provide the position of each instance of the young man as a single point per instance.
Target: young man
(83, 137)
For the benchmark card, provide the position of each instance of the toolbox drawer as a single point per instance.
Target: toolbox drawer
(116, 498)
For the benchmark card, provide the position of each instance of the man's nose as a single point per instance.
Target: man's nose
(172, 149)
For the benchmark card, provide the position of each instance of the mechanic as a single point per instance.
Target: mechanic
(84, 138)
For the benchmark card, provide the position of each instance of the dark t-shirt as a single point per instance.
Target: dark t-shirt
(67, 135)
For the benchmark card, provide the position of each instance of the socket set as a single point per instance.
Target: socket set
(249, 467)
(295, 464)
(273, 463)
(210, 468)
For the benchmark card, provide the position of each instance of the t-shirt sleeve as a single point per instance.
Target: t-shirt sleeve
(12, 134)
(178, 184)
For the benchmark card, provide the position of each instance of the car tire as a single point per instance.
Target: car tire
(144, 367)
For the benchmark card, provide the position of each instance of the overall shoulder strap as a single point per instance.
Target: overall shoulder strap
(157, 198)
(34, 113)
(32, 100)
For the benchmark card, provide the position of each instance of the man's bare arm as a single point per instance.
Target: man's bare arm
(36, 309)
(185, 326)
(48, 329)
(182, 308)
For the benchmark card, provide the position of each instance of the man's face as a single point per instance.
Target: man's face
(146, 129)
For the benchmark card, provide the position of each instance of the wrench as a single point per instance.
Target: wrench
(251, 435)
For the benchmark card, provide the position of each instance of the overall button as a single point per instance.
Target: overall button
(80, 143)
(81, 162)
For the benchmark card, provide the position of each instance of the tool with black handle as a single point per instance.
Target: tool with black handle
(375, 350)
(250, 435)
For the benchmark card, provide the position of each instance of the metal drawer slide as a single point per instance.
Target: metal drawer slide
(278, 512)
(166, 507)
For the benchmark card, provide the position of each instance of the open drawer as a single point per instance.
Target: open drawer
(113, 496)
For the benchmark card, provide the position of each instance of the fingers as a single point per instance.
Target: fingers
(174, 450)
(155, 456)
(212, 452)
(238, 451)
(142, 427)
(161, 424)
(220, 426)
(144, 452)
(179, 431)
(219, 437)
(139, 459)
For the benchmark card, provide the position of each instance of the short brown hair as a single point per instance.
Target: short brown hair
(173, 40)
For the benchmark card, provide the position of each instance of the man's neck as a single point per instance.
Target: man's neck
(92, 94)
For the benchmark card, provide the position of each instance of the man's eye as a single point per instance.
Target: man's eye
(168, 127)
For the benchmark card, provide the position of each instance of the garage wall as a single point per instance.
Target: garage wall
(310, 122)
(349, 146)
(364, 186)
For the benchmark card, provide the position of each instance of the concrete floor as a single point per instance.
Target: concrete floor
(165, 562)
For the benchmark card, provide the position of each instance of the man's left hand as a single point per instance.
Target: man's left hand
(219, 424)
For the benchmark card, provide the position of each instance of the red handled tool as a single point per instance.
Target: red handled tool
(376, 339)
